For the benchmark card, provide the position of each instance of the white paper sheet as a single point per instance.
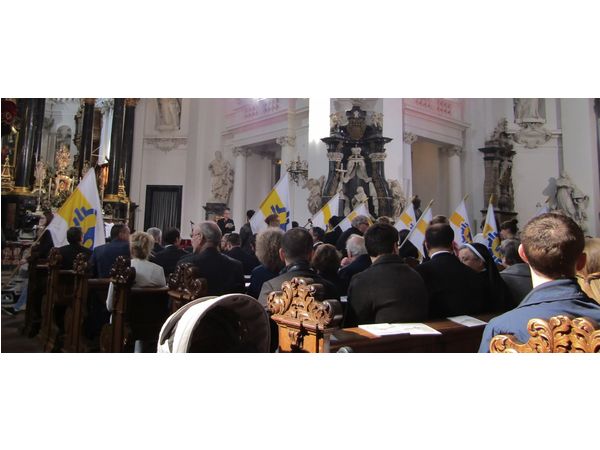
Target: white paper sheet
(385, 329)
(467, 321)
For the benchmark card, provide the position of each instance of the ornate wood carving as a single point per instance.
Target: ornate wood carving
(54, 262)
(74, 315)
(186, 285)
(560, 334)
(122, 276)
(305, 321)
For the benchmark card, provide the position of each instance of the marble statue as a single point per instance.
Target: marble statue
(168, 114)
(527, 108)
(315, 188)
(221, 178)
(356, 166)
(398, 198)
(39, 174)
(359, 197)
(571, 200)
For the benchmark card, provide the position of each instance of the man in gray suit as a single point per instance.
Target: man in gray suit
(517, 275)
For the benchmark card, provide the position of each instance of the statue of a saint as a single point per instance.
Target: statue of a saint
(221, 178)
(356, 166)
(527, 108)
(168, 115)
(39, 174)
(398, 198)
(315, 187)
(571, 200)
(359, 197)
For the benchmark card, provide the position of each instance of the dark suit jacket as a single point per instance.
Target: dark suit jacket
(224, 275)
(222, 226)
(69, 252)
(259, 275)
(331, 237)
(454, 289)
(346, 273)
(157, 248)
(104, 257)
(248, 261)
(518, 280)
(168, 259)
(388, 291)
(301, 269)
(245, 237)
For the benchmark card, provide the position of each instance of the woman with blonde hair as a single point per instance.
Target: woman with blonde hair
(268, 243)
(589, 276)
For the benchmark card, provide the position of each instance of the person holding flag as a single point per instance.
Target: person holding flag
(459, 221)
(276, 203)
(490, 233)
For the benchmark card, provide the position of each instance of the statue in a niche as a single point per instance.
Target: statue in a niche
(356, 166)
(359, 197)
(168, 114)
(527, 108)
(221, 181)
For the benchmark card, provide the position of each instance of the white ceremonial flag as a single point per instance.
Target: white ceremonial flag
(360, 210)
(459, 221)
(277, 202)
(407, 219)
(82, 209)
(490, 234)
(417, 235)
(332, 208)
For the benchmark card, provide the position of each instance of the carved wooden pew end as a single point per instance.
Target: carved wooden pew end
(560, 334)
(186, 285)
(305, 322)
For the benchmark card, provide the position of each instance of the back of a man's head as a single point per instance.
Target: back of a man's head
(116, 229)
(171, 235)
(380, 239)
(510, 252)
(334, 220)
(439, 235)
(74, 235)
(552, 244)
(233, 239)
(297, 244)
(210, 232)
(249, 214)
(156, 233)
(359, 220)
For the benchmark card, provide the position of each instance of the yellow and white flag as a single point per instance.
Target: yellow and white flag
(82, 209)
(417, 235)
(277, 202)
(332, 208)
(490, 234)
(361, 210)
(459, 221)
(407, 219)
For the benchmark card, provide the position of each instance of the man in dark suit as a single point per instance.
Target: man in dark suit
(517, 275)
(246, 233)
(73, 248)
(332, 236)
(156, 233)
(389, 290)
(296, 251)
(359, 226)
(454, 289)
(104, 257)
(224, 275)
(358, 259)
(225, 223)
(171, 254)
(234, 250)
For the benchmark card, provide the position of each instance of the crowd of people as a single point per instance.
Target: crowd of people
(547, 269)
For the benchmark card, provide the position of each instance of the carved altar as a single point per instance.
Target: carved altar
(356, 153)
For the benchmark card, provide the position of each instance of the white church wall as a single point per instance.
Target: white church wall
(393, 127)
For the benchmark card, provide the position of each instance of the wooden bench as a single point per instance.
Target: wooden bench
(185, 285)
(307, 323)
(138, 313)
(36, 290)
(559, 334)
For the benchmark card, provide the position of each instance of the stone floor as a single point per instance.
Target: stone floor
(12, 339)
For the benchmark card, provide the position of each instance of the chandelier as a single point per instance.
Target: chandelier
(298, 170)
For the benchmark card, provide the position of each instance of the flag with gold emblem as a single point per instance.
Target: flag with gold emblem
(332, 208)
(459, 221)
(407, 219)
(82, 209)
(490, 234)
(417, 234)
(277, 202)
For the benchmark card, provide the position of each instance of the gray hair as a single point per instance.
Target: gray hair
(156, 233)
(355, 245)
(358, 220)
(210, 231)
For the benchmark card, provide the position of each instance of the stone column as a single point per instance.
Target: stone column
(239, 187)
(127, 150)
(116, 142)
(454, 176)
(407, 186)
(288, 149)
(38, 124)
(25, 153)
(85, 148)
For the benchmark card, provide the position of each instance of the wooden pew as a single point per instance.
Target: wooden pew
(559, 334)
(185, 285)
(74, 342)
(36, 289)
(305, 321)
(138, 313)
(53, 267)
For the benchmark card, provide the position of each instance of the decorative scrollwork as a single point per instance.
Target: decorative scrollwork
(560, 334)
(80, 264)
(121, 272)
(186, 280)
(54, 258)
